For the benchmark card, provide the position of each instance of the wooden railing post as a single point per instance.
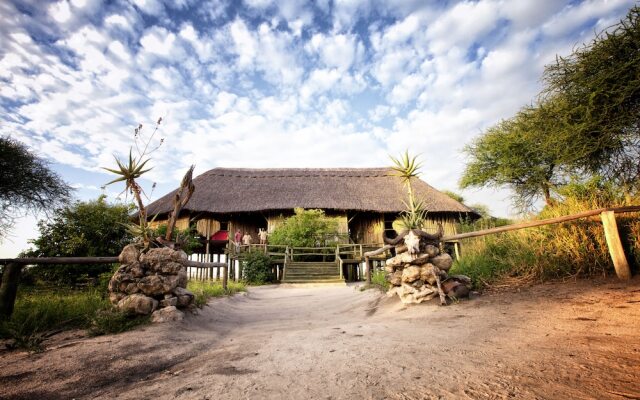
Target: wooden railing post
(225, 275)
(9, 289)
(615, 245)
(367, 262)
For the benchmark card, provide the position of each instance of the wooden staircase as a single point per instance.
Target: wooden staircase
(312, 272)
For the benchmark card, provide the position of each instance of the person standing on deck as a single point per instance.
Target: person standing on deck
(246, 240)
(236, 240)
(262, 234)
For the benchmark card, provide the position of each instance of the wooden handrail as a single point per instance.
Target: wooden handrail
(548, 221)
(59, 260)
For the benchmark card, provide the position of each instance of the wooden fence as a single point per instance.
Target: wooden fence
(607, 216)
(13, 268)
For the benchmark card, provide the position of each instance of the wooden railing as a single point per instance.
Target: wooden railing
(13, 269)
(607, 216)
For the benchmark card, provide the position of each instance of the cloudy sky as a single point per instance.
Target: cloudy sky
(262, 83)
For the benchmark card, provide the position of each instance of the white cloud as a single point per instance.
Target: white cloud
(335, 50)
(245, 43)
(159, 41)
(60, 11)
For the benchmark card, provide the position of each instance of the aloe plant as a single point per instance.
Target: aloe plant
(129, 171)
(407, 168)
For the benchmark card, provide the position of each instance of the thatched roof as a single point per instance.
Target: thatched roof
(237, 190)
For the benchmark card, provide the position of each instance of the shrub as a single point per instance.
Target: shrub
(188, 237)
(83, 229)
(307, 228)
(256, 268)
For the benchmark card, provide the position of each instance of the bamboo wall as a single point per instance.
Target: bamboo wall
(181, 224)
(207, 227)
(367, 228)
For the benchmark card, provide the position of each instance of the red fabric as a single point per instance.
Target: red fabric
(220, 235)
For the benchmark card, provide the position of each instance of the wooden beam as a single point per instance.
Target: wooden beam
(60, 260)
(615, 245)
(368, 264)
(541, 222)
(9, 289)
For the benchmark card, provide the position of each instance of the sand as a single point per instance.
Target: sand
(578, 340)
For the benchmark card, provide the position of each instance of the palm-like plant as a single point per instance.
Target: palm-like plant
(128, 173)
(131, 170)
(407, 168)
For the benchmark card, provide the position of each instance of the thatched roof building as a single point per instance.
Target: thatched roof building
(241, 190)
(365, 201)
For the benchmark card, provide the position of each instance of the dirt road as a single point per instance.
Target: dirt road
(556, 341)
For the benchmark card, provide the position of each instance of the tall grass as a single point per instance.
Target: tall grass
(39, 314)
(204, 290)
(576, 248)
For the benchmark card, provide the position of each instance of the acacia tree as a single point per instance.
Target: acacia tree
(27, 184)
(517, 153)
(586, 123)
(599, 84)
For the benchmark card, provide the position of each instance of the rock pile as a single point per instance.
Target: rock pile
(151, 281)
(418, 272)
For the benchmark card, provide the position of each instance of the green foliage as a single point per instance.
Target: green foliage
(38, 314)
(256, 268)
(83, 229)
(407, 168)
(379, 278)
(188, 238)
(132, 170)
(599, 87)
(305, 228)
(204, 290)
(27, 184)
(516, 153)
(585, 123)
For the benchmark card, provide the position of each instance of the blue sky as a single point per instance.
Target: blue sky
(262, 83)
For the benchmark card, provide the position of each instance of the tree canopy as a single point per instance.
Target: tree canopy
(27, 184)
(599, 84)
(586, 122)
(83, 229)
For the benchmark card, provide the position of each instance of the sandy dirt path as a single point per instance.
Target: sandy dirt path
(555, 341)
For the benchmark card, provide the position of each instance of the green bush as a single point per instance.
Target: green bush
(82, 229)
(256, 268)
(189, 237)
(307, 228)
(379, 278)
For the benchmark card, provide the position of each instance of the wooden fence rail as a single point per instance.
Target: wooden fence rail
(607, 216)
(13, 268)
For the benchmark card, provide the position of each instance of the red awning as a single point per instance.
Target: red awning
(220, 235)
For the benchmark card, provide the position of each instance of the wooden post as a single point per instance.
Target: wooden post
(368, 264)
(615, 245)
(456, 249)
(9, 289)
(225, 276)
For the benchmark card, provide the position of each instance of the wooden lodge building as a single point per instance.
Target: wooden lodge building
(366, 202)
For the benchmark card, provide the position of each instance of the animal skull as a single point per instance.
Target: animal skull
(412, 241)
